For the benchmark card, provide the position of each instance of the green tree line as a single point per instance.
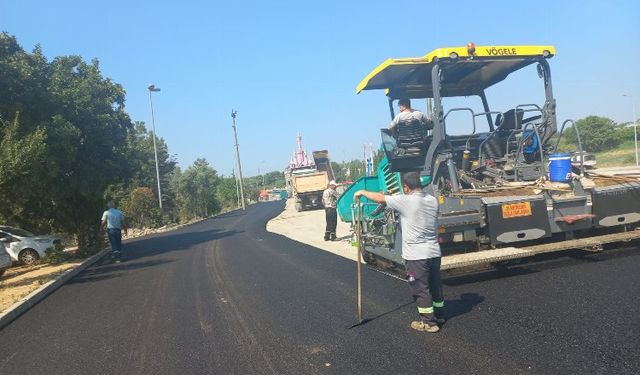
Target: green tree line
(597, 134)
(67, 145)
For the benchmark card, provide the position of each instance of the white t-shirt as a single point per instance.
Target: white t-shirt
(409, 115)
(418, 222)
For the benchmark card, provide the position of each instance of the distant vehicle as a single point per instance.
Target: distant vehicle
(588, 160)
(5, 259)
(308, 189)
(24, 246)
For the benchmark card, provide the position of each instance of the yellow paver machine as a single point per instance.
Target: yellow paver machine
(505, 192)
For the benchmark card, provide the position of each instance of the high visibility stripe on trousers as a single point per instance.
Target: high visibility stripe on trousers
(429, 310)
(425, 310)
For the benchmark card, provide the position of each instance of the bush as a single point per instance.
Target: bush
(56, 254)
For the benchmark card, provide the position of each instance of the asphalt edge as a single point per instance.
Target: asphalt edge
(30, 300)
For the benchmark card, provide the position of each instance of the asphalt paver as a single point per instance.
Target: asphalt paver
(225, 296)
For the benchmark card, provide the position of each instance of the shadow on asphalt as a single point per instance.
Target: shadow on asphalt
(461, 306)
(540, 263)
(108, 270)
(134, 252)
(229, 214)
(173, 242)
(367, 320)
(453, 308)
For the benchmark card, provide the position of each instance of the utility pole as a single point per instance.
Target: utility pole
(153, 88)
(233, 171)
(635, 125)
(235, 136)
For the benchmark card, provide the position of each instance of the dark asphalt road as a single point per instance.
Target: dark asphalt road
(226, 297)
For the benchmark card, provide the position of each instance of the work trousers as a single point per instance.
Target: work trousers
(331, 215)
(115, 239)
(426, 286)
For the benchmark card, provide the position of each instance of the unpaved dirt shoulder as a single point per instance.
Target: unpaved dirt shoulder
(18, 282)
(308, 227)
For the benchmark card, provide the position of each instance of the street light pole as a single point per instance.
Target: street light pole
(235, 135)
(635, 125)
(153, 88)
(237, 187)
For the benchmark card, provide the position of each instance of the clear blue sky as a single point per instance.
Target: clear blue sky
(290, 66)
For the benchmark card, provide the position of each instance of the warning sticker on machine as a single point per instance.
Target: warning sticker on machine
(516, 210)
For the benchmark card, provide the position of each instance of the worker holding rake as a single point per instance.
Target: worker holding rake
(420, 248)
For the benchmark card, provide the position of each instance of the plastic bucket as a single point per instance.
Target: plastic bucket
(560, 167)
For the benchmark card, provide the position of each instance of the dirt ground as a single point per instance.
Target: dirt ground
(18, 282)
(308, 227)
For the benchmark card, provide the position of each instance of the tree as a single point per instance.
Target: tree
(23, 157)
(274, 179)
(196, 190)
(141, 170)
(227, 192)
(597, 134)
(72, 122)
(141, 203)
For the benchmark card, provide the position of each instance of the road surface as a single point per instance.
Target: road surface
(226, 297)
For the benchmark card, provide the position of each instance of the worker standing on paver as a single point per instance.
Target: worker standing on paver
(329, 200)
(114, 220)
(420, 248)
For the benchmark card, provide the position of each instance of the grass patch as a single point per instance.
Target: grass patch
(618, 157)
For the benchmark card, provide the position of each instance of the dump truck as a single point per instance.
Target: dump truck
(323, 163)
(308, 189)
(503, 189)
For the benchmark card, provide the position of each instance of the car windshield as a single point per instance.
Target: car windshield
(17, 232)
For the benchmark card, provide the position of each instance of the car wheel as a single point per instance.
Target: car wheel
(28, 256)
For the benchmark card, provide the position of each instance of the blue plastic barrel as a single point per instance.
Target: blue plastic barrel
(560, 167)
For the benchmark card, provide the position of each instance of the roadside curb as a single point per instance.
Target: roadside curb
(41, 293)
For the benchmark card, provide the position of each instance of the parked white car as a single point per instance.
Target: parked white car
(588, 160)
(5, 259)
(25, 247)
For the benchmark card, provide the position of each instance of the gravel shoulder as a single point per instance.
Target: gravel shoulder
(308, 227)
(18, 282)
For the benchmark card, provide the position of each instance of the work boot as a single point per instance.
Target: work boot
(327, 236)
(332, 237)
(421, 326)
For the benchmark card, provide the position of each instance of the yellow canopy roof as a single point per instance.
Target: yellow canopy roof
(464, 73)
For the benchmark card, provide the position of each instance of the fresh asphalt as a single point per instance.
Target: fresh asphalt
(226, 297)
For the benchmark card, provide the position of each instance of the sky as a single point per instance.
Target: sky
(292, 66)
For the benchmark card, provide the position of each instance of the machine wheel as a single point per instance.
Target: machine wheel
(28, 256)
(299, 207)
